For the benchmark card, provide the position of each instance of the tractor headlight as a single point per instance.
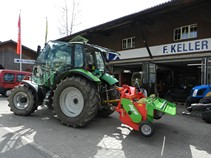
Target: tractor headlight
(195, 92)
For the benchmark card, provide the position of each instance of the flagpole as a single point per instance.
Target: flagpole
(46, 31)
(21, 57)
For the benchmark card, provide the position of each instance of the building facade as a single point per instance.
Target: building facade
(170, 43)
(9, 59)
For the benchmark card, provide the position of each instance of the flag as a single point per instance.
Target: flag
(113, 56)
(46, 30)
(19, 49)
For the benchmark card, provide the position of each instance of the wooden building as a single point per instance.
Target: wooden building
(10, 60)
(170, 43)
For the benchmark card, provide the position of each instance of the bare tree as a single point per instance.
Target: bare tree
(68, 20)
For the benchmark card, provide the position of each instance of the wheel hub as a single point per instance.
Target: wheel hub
(23, 100)
(75, 101)
(146, 129)
(71, 102)
(20, 100)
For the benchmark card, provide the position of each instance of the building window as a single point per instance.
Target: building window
(128, 43)
(185, 32)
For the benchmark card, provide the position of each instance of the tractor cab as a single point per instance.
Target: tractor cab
(58, 57)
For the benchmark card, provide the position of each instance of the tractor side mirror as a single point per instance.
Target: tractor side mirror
(38, 50)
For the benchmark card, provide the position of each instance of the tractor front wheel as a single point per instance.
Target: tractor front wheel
(22, 101)
(75, 101)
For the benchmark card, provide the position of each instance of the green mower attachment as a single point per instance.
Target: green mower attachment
(138, 112)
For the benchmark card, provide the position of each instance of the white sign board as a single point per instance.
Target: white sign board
(24, 61)
(169, 49)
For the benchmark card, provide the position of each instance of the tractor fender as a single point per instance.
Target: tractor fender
(80, 72)
(38, 92)
(32, 85)
(111, 80)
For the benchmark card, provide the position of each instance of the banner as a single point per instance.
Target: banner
(19, 48)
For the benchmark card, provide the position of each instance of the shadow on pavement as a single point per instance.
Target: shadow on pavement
(174, 137)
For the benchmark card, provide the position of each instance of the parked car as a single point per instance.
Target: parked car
(11, 78)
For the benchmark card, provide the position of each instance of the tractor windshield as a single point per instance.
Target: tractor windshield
(55, 53)
(55, 57)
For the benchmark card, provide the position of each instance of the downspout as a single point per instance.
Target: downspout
(146, 43)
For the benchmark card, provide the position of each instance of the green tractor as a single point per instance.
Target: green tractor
(72, 79)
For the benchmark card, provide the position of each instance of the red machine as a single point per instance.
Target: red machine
(138, 111)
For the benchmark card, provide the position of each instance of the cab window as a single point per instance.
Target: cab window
(62, 55)
(79, 56)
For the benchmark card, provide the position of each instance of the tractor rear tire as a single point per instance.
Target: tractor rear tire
(22, 101)
(106, 110)
(75, 101)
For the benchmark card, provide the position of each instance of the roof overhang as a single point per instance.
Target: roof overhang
(142, 16)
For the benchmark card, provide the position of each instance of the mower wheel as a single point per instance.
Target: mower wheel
(146, 128)
(157, 114)
(22, 101)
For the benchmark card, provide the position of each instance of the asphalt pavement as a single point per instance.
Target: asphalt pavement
(42, 135)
